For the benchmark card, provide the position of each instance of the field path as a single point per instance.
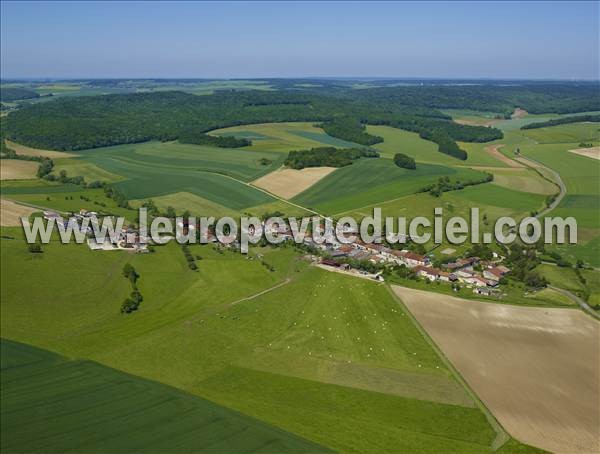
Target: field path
(557, 179)
(256, 295)
(493, 150)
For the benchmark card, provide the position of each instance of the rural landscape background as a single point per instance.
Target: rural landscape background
(299, 347)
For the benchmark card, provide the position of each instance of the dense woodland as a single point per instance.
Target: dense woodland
(76, 123)
(350, 129)
(9, 94)
(327, 157)
(200, 138)
(562, 121)
(406, 162)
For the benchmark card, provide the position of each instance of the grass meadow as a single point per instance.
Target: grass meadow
(77, 405)
(315, 334)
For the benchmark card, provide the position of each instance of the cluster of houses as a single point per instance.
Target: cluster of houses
(128, 238)
(484, 276)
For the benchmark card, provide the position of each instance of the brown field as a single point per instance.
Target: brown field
(10, 212)
(536, 369)
(593, 152)
(27, 151)
(287, 183)
(493, 151)
(14, 169)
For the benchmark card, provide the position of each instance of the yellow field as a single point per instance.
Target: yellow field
(593, 152)
(11, 212)
(28, 151)
(14, 169)
(287, 183)
(536, 369)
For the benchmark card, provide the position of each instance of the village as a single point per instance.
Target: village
(483, 276)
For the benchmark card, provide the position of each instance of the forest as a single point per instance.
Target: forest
(350, 129)
(327, 157)
(9, 94)
(77, 123)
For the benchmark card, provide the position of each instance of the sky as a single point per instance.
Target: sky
(504, 40)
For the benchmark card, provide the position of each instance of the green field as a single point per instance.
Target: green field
(370, 181)
(371, 377)
(283, 137)
(83, 406)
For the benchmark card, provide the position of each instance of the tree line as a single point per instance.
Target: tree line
(563, 121)
(327, 157)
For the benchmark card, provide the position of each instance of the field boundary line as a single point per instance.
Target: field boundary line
(502, 436)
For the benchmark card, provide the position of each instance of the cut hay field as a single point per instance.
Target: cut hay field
(535, 369)
(592, 152)
(28, 151)
(74, 405)
(15, 169)
(11, 213)
(288, 183)
(303, 350)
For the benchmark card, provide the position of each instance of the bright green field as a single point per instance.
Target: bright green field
(581, 175)
(370, 181)
(53, 404)
(321, 351)
(156, 169)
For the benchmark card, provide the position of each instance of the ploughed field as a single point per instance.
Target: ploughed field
(536, 369)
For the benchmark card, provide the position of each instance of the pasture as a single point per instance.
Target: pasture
(15, 169)
(83, 406)
(551, 402)
(267, 346)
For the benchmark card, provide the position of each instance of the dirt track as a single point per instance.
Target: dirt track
(536, 369)
(493, 151)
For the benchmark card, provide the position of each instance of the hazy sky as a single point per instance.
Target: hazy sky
(268, 39)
